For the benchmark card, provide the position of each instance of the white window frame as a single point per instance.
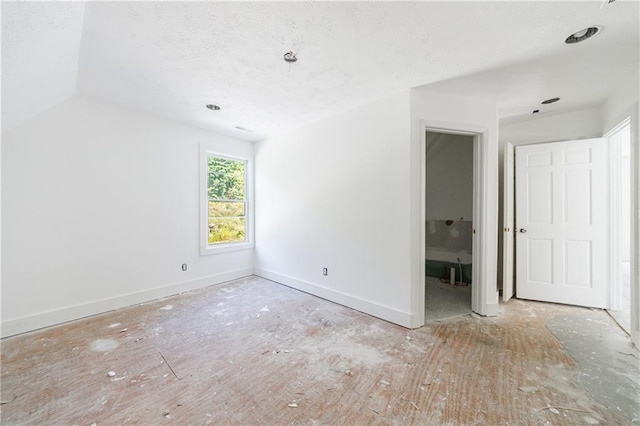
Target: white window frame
(205, 247)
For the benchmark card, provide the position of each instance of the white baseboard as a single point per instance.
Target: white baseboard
(386, 313)
(45, 319)
(491, 310)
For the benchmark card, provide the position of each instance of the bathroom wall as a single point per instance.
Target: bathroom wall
(449, 208)
(449, 177)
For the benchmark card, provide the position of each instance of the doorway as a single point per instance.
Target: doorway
(620, 189)
(449, 204)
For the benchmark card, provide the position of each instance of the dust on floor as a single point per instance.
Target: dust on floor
(256, 352)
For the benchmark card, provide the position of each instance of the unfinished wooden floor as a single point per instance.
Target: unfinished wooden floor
(255, 352)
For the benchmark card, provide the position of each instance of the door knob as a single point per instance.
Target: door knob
(522, 230)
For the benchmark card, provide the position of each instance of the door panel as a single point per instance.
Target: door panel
(578, 263)
(540, 256)
(540, 201)
(577, 197)
(561, 217)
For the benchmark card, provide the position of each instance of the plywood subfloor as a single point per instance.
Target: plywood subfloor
(256, 352)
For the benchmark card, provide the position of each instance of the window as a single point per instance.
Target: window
(225, 222)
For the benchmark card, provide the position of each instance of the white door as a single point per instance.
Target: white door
(561, 222)
(507, 232)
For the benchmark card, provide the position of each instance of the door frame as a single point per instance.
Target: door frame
(633, 112)
(483, 294)
(508, 215)
(614, 213)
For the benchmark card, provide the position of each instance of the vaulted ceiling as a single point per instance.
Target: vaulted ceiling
(172, 58)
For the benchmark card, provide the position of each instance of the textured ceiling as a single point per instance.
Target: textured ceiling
(581, 75)
(172, 58)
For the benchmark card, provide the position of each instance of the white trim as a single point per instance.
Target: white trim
(386, 313)
(249, 243)
(508, 232)
(58, 316)
(423, 215)
(452, 128)
(478, 258)
(491, 309)
(481, 290)
(635, 223)
(633, 118)
(618, 127)
(615, 195)
(614, 222)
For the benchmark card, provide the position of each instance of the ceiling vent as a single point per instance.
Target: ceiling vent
(582, 35)
(550, 101)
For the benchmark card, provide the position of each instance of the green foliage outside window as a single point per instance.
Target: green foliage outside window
(226, 191)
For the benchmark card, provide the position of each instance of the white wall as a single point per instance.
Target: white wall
(450, 179)
(621, 104)
(99, 210)
(443, 110)
(336, 194)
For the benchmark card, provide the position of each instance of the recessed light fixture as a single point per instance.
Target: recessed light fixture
(213, 107)
(290, 56)
(582, 35)
(550, 101)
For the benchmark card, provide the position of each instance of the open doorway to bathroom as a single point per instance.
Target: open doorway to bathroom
(449, 225)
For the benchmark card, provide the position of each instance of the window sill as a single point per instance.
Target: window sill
(225, 248)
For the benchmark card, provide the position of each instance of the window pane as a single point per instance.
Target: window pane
(226, 229)
(226, 208)
(226, 178)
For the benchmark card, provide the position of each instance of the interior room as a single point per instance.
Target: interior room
(449, 225)
(231, 212)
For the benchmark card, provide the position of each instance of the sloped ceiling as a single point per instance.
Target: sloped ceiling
(172, 58)
(40, 54)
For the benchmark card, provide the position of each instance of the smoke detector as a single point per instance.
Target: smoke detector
(290, 56)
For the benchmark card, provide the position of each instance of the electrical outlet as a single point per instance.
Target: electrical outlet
(325, 271)
(184, 267)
